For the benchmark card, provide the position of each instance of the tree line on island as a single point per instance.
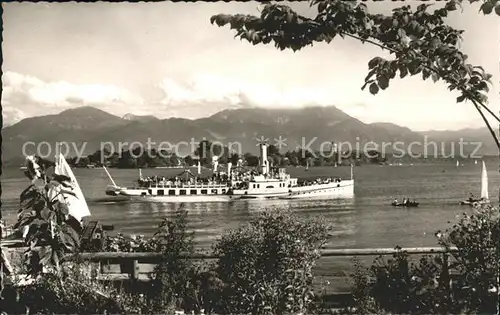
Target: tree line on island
(139, 158)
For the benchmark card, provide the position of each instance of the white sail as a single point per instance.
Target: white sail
(484, 183)
(458, 163)
(77, 206)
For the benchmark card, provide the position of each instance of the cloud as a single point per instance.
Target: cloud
(33, 97)
(205, 94)
(205, 88)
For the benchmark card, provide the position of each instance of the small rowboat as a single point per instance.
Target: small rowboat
(408, 204)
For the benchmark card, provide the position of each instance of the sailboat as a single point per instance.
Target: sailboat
(77, 206)
(458, 163)
(484, 191)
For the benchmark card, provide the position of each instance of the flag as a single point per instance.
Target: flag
(77, 206)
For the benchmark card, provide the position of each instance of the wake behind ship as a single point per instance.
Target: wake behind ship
(233, 184)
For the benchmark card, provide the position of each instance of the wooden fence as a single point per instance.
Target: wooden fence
(119, 266)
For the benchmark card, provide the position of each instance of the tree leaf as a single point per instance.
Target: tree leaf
(497, 9)
(487, 7)
(39, 205)
(33, 231)
(426, 73)
(29, 196)
(23, 222)
(383, 82)
(374, 62)
(423, 7)
(461, 98)
(45, 256)
(67, 192)
(321, 6)
(434, 77)
(403, 71)
(62, 179)
(483, 86)
(374, 88)
(414, 67)
(451, 5)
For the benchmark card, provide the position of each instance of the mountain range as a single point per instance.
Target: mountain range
(87, 128)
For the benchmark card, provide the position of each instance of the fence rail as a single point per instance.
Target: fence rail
(118, 266)
(333, 252)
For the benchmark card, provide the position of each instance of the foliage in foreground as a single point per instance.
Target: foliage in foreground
(468, 285)
(78, 294)
(51, 231)
(266, 266)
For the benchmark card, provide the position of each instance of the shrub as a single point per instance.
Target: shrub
(477, 238)
(401, 286)
(172, 275)
(266, 266)
(122, 243)
(77, 293)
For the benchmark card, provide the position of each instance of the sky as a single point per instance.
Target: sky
(166, 59)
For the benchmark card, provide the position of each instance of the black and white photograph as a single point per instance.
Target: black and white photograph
(250, 157)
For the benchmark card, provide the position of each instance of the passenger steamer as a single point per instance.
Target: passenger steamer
(232, 185)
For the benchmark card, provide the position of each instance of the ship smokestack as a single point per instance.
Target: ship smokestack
(215, 162)
(264, 164)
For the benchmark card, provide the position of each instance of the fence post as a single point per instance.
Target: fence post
(134, 273)
(445, 276)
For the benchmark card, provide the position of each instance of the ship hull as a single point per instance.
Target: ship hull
(332, 190)
(336, 190)
(342, 190)
(145, 194)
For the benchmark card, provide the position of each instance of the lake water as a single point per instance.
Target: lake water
(366, 221)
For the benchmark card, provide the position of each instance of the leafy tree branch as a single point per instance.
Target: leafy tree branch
(420, 41)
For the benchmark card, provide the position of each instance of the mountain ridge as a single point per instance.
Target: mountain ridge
(317, 127)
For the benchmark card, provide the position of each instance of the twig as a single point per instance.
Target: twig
(487, 123)
(461, 88)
